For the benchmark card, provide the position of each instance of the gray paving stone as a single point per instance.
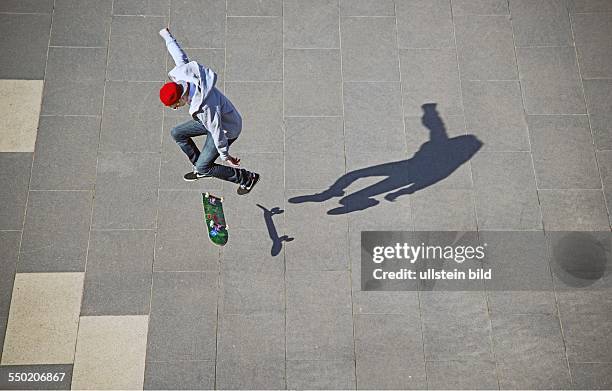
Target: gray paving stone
(592, 34)
(577, 210)
(133, 34)
(245, 374)
(563, 154)
(183, 320)
(591, 376)
(261, 108)
(425, 24)
(369, 49)
(587, 337)
(255, 8)
(589, 5)
(431, 76)
(367, 8)
(312, 82)
(126, 191)
(14, 181)
(550, 80)
(541, 373)
(64, 372)
(133, 127)
(9, 242)
(388, 335)
(604, 160)
(24, 43)
(3, 323)
(506, 196)
(254, 49)
(455, 326)
(74, 81)
(55, 232)
(252, 292)
(198, 23)
(598, 93)
(444, 210)
(38, 6)
(182, 242)
(211, 58)
(81, 23)
(141, 7)
(66, 153)
(485, 47)
(461, 375)
(312, 24)
(541, 23)
(384, 216)
(247, 244)
(479, 7)
(118, 275)
(314, 159)
(180, 375)
(385, 302)
(494, 113)
(321, 375)
(522, 302)
(252, 338)
(303, 285)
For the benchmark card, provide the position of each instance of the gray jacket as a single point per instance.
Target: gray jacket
(208, 105)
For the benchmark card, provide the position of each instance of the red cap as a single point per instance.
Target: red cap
(170, 93)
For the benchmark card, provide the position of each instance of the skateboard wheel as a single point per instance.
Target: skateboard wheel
(206, 195)
(221, 199)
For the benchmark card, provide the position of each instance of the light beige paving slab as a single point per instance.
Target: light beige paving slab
(110, 353)
(43, 319)
(19, 110)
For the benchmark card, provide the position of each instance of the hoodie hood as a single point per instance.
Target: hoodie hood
(203, 78)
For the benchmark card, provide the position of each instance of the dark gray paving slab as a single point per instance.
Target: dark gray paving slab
(258, 291)
(589, 5)
(591, 376)
(312, 164)
(183, 320)
(14, 180)
(448, 209)
(261, 108)
(245, 374)
(198, 23)
(479, 7)
(252, 338)
(485, 47)
(455, 326)
(312, 82)
(578, 210)
(141, 7)
(133, 127)
(254, 49)
(367, 8)
(369, 49)
(506, 196)
(550, 80)
(63, 372)
(56, 232)
(431, 76)
(182, 242)
(24, 43)
(74, 81)
(38, 6)
(541, 373)
(541, 23)
(312, 24)
(592, 34)
(126, 191)
(66, 153)
(494, 113)
(385, 302)
(321, 375)
(81, 23)
(461, 375)
(598, 93)
(563, 153)
(424, 24)
(211, 58)
(118, 275)
(179, 375)
(9, 242)
(255, 8)
(587, 337)
(137, 36)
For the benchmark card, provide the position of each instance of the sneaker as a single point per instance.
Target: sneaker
(244, 189)
(193, 176)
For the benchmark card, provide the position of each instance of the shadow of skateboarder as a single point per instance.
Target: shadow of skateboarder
(277, 242)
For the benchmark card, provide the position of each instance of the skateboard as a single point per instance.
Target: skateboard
(215, 220)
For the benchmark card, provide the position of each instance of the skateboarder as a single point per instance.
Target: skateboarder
(212, 115)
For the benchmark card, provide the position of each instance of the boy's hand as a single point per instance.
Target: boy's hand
(233, 161)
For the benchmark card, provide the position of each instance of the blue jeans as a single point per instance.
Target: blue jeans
(204, 162)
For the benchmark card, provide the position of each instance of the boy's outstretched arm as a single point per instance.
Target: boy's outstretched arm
(178, 55)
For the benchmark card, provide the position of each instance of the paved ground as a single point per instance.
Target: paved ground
(107, 274)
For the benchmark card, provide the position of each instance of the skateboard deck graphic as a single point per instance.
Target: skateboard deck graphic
(215, 220)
